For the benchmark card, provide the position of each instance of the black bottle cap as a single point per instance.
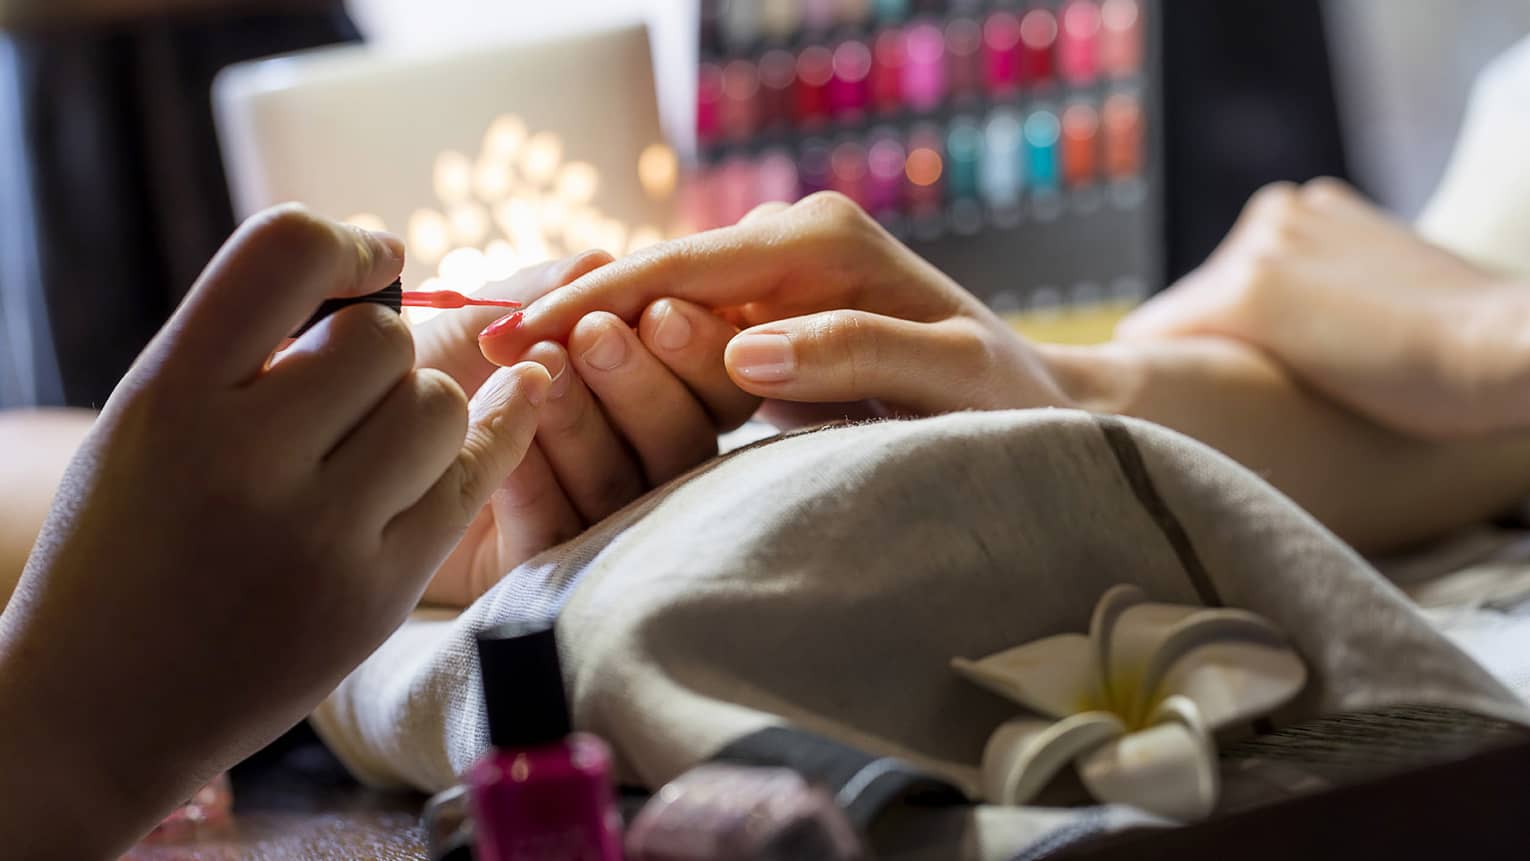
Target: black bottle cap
(523, 685)
(391, 297)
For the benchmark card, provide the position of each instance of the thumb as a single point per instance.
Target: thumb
(502, 421)
(846, 355)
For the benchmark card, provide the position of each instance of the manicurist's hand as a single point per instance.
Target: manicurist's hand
(833, 310)
(1363, 310)
(236, 534)
(628, 409)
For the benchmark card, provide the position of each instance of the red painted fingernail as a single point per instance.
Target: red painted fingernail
(503, 324)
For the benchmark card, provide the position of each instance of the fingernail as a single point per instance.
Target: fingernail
(556, 364)
(763, 358)
(390, 243)
(502, 325)
(673, 330)
(609, 350)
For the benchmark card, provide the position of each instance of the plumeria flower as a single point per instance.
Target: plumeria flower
(1135, 703)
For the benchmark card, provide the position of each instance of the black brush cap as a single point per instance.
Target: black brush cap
(523, 685)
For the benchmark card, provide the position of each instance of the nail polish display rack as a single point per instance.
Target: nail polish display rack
(1013, 143)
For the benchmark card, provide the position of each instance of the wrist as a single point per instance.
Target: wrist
(1486, 356)
(1105, 378)
(77, 798)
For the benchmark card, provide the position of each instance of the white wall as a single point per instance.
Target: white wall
(409, 25)
(1404, 69)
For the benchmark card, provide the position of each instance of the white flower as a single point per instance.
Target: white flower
(1134, 703)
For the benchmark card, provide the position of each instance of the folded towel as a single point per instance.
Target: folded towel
(808, 593)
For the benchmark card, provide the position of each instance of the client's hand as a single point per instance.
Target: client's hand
(1363, 310)
(236, 534)
(627, 411)
(836, 310)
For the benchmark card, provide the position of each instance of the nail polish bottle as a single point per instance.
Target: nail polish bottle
(542, 791)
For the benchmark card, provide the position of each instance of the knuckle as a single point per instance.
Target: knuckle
(294, 229)
(668, 261)
(437, 396)
(568, 415)
(852, 342)
(1254, 277)
(834, 211)
(979, 348)
(585, 261)
(1276, 201)
(384, 332)
(1325, 191)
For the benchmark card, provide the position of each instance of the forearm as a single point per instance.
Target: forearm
(1377, 490)
(66, 806)
(35, 447)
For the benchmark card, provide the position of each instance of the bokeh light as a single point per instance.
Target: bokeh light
(658, 171)
(924, 166)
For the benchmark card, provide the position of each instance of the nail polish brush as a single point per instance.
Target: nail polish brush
(396, 297)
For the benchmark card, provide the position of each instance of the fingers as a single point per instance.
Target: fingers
(525, 516)
(532, 513)
(854, 355)
(449, 342)
(816, 247)
(266, 281)
(336, 373)
(589, 460)
(1326, 194)
(648, 406)
(690, 341)
(399, 452)
(502, 420)
(1223, 295)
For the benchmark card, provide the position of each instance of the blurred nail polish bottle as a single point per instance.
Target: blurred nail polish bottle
(743, 814)
(542, 791)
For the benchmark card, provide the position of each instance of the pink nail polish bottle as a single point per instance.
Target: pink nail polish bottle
(542, 792)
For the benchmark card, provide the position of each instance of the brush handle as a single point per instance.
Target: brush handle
(391, 296)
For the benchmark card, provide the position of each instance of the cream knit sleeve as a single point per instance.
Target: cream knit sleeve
(1481, 209)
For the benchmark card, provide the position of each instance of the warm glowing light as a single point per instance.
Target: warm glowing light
(612, 236)
(469, 223)
(581, 230)
(503, 216)
(462, 269)
(504, 138)
(453, 177)
(554, 213)
(658, 170)
(500, 260)
(429, 235)
(541, 157)
(643, 237)
(525, 230)
(578, 182)
(366, 221)
(923, 166)
(492, 180)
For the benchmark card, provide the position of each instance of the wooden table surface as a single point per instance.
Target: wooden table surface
(295, 801)
(298, 803)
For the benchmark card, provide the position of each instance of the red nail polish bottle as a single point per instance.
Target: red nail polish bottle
(542, 792)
